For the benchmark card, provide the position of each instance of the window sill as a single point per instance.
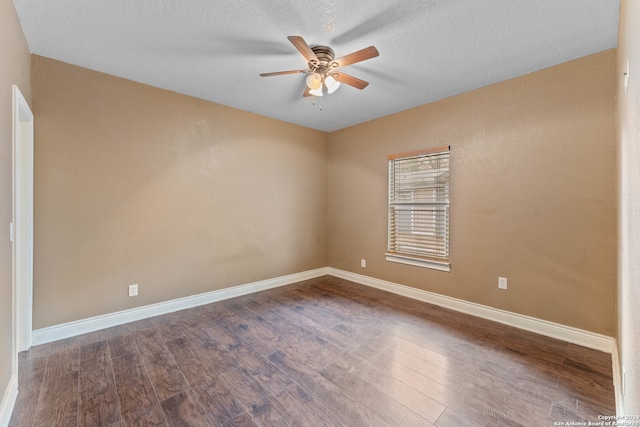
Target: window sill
(419, 262)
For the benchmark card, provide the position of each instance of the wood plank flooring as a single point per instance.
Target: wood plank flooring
(324, 352)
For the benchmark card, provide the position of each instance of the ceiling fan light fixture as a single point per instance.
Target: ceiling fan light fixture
(314, 81)
(317, 91)
(322, 67)
(331, 83)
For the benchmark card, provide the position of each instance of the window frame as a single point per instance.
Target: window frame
(433, 262)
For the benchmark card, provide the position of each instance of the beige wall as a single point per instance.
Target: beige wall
(629, 190)
(14, 69)
(134, 184)
(140, 185)
(533, 194)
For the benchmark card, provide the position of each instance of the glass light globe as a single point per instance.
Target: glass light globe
(331, 84)
(314, 81)
(316, 92)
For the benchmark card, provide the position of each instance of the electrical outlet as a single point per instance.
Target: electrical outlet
(502, 283)
(133, 290)
(363, 263)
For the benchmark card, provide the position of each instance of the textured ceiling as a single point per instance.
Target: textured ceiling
(214, 50)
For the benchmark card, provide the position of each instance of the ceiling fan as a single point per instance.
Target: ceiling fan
(324, 69)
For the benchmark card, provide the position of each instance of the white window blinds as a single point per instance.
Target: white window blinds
(419, 208)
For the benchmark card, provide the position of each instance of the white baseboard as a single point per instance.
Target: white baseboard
(531, 324)
(8, 400)
(78, 327)
(542, 327)
(617, 381)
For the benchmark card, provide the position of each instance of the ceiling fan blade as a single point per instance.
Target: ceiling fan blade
(350, 80)
(278, 73)
(303, 48)
(307, 92)
(361, 55)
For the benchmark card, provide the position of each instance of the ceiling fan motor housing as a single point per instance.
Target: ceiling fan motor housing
(325, 55)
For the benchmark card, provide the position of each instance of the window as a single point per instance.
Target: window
(419, 208)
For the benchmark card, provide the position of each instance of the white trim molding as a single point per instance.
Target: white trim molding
(22, 225)
(8, 400)
(78, 327)
(527, 323)
(617, 381)
(417, 262)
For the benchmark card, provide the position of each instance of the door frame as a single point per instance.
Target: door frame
(22, 224)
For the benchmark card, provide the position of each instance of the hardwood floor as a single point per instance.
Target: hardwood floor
(324, 352)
